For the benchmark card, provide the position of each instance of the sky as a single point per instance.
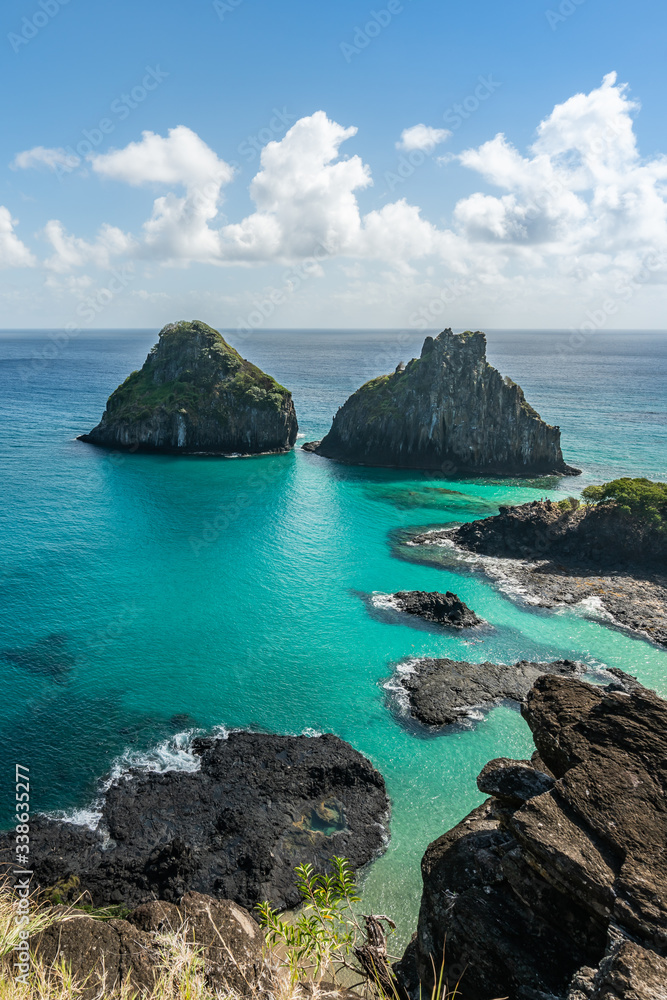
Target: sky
(407, 164)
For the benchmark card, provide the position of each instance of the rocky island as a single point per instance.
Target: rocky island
(612, 549)
(441, 609)
(448, 410)
(196, 395)
(555, 888)
(235, 828)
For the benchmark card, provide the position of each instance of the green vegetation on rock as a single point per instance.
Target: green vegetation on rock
(641, 499)
(196, 393)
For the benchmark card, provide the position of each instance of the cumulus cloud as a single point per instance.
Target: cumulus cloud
(582, 190)
(178, 229)
(13, 253)
(305, 196)
(180, 158)
(578, 208)
(44, 156)
(423, 137)
(71, 251)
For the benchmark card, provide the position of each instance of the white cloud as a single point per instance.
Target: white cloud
(305, 197)
(43, 156)
(178, 229)
(181, 158)
(71, 251)
(13, 253)
(571, 215)
(423, 137)
(583, 189)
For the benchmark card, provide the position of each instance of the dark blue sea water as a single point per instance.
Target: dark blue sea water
(145, 596)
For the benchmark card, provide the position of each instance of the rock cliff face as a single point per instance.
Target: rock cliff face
(447, 410)
(556, 887)
(196, 394)
(599, 536)
(236, 828)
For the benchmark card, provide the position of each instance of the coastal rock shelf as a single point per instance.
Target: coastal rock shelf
(448, 410)
(557, 885)
(560, 554)
(195, 394)
(236, 828)
(441, 692)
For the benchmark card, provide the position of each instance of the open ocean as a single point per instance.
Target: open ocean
(143, 597)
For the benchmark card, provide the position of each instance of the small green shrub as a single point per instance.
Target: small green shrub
(641, 499)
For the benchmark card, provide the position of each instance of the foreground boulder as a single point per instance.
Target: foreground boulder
(111, 951)
(442, 691)
(196, 394)
(557, 886)
(235, 829)
(447, 410)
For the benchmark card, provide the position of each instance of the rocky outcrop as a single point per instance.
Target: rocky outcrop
(235, 829)
(563, 554)
(441, 692)
(107, 952)
(441, 609)
(448, 410)
(196, 394)
(601, 536)
(556, 887)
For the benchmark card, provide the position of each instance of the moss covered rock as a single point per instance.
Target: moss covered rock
(448, 410)
(194, 394)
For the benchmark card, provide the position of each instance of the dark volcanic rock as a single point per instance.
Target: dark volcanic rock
(234, 829)
(513, 781)
(196, 394)
(601, 536)
(443, 609)
(563, 895)
(99, 952)
(227, 936)
(447, 410)
(588, 552)
(442, 691)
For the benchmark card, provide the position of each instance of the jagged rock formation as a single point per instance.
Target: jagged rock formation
(441, 609)
(557, 886)
(576, 553)
(110, 951)
(196, 394)
(447, 410)
(600, 536)
(441, 691)
(236, 828)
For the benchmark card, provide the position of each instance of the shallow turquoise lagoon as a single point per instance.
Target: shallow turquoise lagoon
(147, 596)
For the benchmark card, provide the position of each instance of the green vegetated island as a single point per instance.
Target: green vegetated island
(195, 394)
(555, 887)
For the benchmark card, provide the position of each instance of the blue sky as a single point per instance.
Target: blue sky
(391, 225)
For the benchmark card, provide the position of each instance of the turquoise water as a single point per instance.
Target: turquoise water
(199, 592)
